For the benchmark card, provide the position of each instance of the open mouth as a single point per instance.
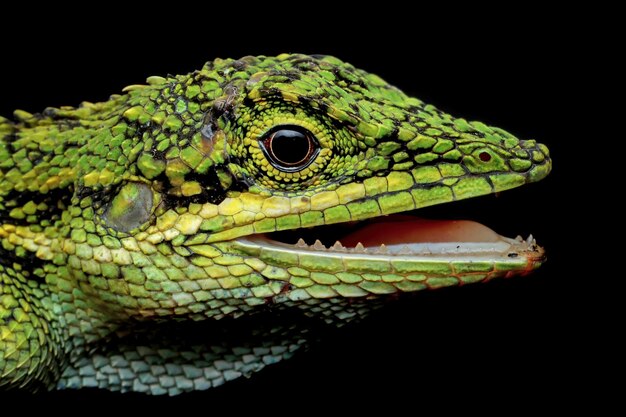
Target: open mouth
(406, 235)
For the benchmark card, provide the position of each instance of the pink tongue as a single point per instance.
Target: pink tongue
(405, 229)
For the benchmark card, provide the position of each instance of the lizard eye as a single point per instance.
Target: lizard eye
(290, 148)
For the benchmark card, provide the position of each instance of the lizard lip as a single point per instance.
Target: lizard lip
(405, 235)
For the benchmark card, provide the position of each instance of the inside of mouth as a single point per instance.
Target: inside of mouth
(397, 233)
(398, 229)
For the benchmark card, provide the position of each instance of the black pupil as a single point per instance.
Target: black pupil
(290, 147)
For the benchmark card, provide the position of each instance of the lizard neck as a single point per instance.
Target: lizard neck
(32, 347)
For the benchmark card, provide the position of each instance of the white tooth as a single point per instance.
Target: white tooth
(318, 245)
(519, 238)
(338, 247)
(301, 243)
(530, 240)
(383, 249)
(359, 247)
(405, 250)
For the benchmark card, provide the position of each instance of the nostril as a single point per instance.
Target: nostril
(484, 156)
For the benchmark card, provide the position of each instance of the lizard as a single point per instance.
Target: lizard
(197, 228)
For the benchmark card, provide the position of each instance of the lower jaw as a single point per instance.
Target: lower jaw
(380, 259)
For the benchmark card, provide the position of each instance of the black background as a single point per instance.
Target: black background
(506, 345)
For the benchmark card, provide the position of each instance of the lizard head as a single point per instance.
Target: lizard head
(204, 196)
(203, 170)
(247, 148)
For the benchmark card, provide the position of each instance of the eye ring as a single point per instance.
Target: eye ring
(290, 148)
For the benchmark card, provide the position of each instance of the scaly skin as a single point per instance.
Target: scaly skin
(125, 222)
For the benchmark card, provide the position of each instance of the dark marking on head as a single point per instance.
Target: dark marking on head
(26, 264)
(56, 200)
